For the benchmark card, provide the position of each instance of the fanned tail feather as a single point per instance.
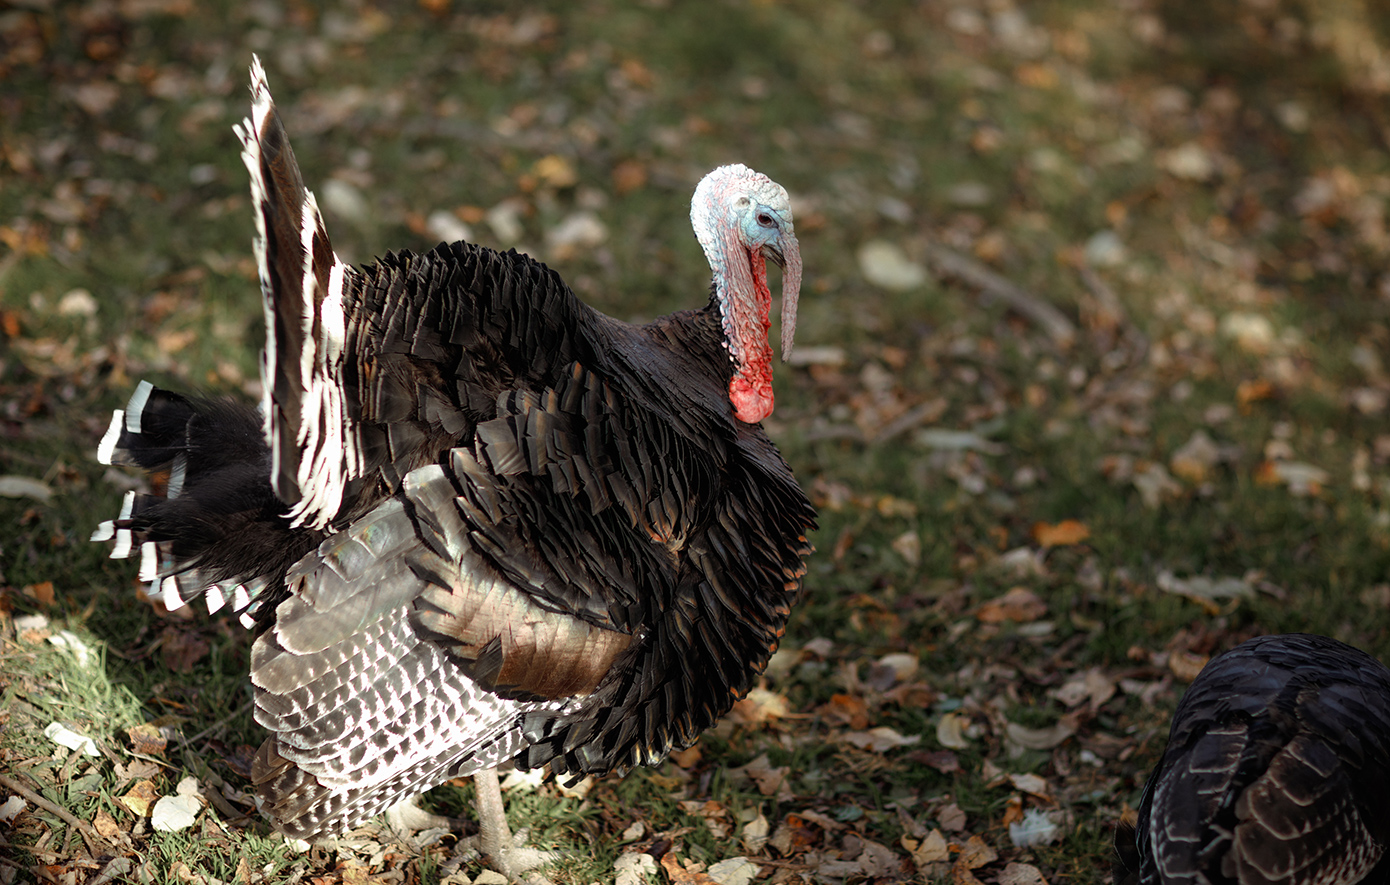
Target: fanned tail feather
(315, 448)
(212, 526)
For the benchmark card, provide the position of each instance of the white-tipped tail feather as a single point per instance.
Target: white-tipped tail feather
(107, 449)
(136, 407)
(149, 561)
(123, 536)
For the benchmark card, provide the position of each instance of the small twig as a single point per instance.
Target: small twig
(924, 413)
(1109, 301)
(216, 726)
(82, 826)
(993, 286)
(834, 431)
(783, 864)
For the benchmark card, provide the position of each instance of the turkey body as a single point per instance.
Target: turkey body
(1277, 771)
(475, 521)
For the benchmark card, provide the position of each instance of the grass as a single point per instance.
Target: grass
(122, 180)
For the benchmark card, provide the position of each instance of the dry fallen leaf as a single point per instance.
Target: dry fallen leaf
(141, 798)
(1062, 534)
(976, 853)
(951, 818)
(1040, 738)
(182, 649)
(793, 835)
(1248, 392)
(769, 779)
(844, 709)
(961, 875)
(12, 807)
(1185, 665)
(878, 860)
(733, 871)
(943, 761)
(1021, 874)
(760, 706)
(887, 266)
(105, 824)
(908, 545)
(1093, 686)
(633, 868)
(950, 731)
(1033, 785)
(65, 737)
(74, 644)
(146, 739)
(1155, 484)
(1190, 161)
(1302, 479)
(679, 875)
(834, 868)
(932, 849)
(1252, 332)
(754, 834)
(629, 175)
(914, 695)
(42, 593)
(1013, 811)
(879, 740)
(555, 171)
(1194, 460)
(1207, 592)
(1019, 605)
(25, 487)
(715, 816)
(178, 812)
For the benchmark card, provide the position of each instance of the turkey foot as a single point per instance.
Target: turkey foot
(495, 836)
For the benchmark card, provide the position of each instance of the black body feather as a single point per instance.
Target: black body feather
(1277, 771)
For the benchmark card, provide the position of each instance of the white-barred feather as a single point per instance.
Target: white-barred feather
(215, 598)
(178, 472)
(329, 445)
(124, 538)
(149, 561)
(328, 448)
(173, 599)
(136, 407)
(107, 449)
(249, 133)
(310, 228)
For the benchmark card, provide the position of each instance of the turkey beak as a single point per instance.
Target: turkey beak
(786, 253)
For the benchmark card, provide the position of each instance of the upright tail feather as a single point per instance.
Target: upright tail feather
(315, 447)
(213, 525)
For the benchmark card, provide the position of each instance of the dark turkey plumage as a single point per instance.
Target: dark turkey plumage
(1277, 771)
(476, 521)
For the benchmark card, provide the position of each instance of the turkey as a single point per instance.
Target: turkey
(475, 522)
(1277, 771)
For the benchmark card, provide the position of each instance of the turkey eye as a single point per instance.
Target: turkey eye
(764, 219)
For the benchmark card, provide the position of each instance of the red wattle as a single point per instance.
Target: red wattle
(752, 397)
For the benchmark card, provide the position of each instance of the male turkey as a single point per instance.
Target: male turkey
(477, 522)
(1277, 771)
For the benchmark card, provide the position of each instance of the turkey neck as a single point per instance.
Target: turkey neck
(744, 301)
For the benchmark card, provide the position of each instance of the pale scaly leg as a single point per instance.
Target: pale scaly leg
(495, 836)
